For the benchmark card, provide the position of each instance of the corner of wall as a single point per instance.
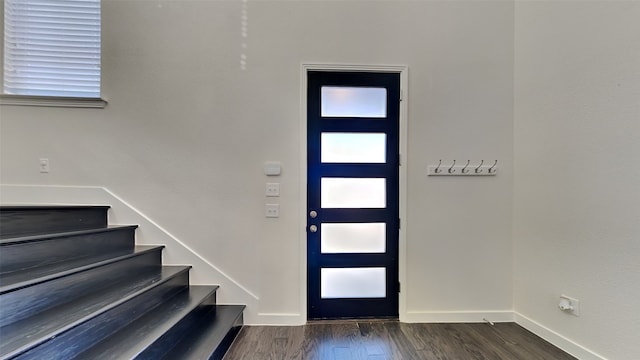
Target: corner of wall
(556, 339)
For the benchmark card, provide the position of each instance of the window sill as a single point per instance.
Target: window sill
(52, 101)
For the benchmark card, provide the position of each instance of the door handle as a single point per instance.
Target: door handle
(313, 228)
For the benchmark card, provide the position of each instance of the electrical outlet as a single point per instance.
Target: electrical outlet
(569, 305)
(272, 189)
(44, 165)
(272, 210)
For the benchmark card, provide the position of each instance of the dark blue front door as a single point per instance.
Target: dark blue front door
(352, 194)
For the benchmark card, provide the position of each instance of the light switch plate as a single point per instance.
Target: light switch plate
(272, 168)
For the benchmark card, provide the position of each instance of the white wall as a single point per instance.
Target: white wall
(577, 173)
(187, 130)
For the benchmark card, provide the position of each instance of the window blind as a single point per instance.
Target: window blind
(52, 48)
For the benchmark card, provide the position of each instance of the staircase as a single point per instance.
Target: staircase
(72, 287)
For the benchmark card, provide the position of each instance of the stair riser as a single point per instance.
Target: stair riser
(22, 303)
(85, 335)
(30, 254)
(211, 338)
(18, 221)
(176, 333)
(221, 350)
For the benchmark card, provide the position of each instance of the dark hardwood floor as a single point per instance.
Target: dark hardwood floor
(379, 340)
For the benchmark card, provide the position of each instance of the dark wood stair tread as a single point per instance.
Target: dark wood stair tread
(212, 338)
(29, 277)
(25, 334)
(147, 331)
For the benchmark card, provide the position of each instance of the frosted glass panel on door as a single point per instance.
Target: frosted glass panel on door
(361, 102)
(340, 283)
(353, 147)
(353, 193)
(353, 238)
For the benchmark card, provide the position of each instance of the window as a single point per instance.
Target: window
(350, 101)
(52, 48)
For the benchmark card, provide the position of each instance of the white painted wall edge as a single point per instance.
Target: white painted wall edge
(556, 339)
(470, 316)
(148, 233)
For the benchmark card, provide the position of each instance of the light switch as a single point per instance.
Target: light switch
(272, 189)
(44, 165)
(272, 210)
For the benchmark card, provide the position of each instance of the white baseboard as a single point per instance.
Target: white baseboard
(556, 339)
(457, 316)
(279, 319)
(176, 252)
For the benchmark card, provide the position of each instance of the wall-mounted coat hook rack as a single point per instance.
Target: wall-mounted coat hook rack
(463, 170)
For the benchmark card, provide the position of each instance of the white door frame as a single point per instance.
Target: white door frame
(402, 236)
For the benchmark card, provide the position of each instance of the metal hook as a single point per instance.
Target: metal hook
(464, 169)
(478, 169)
(491, 169)
(451, 170)
(437, 169)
